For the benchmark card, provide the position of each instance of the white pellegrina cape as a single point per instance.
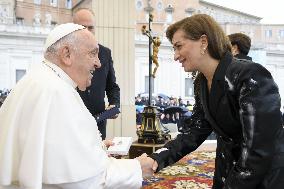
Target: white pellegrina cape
(48, 138)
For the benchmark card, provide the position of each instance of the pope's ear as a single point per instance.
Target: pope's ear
(65, 55)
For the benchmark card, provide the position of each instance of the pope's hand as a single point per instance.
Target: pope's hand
(148, 165)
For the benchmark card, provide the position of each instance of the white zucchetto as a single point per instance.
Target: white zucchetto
(60, 31)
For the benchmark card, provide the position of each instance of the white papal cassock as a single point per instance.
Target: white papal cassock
(47, 135)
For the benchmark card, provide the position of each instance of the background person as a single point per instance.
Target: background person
(241, 44)
(104, 80)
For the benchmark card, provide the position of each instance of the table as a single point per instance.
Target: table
(193, 171)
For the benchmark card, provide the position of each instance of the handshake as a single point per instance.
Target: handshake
(148, 165)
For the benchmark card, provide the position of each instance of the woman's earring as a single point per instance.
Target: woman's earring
(203, 52)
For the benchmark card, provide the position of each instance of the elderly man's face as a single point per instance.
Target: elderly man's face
(85, 59)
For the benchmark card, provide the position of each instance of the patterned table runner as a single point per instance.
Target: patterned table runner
(194, 171)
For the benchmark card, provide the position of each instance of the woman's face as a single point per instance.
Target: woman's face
(188, 52)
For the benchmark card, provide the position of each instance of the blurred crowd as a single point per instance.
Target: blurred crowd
(162, 101)
(171, 109)
(3, 94)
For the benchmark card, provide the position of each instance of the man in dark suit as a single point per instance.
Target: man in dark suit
(240, 45)
(104, 79)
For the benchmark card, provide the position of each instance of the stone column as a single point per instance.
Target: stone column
(115, 26)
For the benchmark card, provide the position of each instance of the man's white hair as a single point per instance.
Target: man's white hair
(71, 40)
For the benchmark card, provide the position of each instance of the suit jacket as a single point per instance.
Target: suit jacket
(103, 81)
(243, 109)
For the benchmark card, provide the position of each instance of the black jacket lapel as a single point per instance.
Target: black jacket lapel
(208, 117)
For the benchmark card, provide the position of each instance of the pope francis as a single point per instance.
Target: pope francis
(47, 135)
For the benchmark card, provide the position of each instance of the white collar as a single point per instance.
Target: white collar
(57, 70)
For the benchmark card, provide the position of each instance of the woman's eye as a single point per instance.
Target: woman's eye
(177, 47)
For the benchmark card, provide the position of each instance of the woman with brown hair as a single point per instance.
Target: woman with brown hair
(240, 102)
